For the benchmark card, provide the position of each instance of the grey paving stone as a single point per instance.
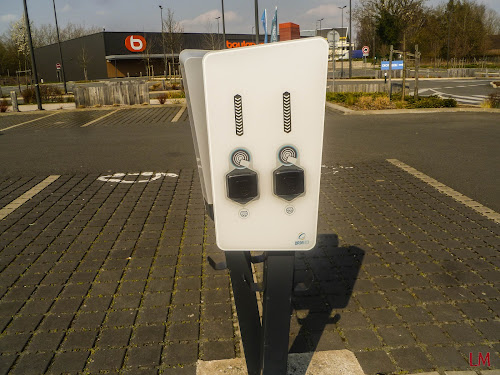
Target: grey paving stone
(213, 350)
(374, 362)
(67, 362)
(217, 329)
(148, 334)
(180, 354)
(361, 339)
(411, 358)
(32, 363)
(45, 341)
(396, 336)
(430, 334)
(106, 359)
(114, 337)
(144, 356)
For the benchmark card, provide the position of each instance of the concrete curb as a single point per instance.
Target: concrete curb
(337, 107)
(348, 111)
(340, 362)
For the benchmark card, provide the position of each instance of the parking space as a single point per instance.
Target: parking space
(94, 118)
(143, 116)
(8, 120)
(109, 273)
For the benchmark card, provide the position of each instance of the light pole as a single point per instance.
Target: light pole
(32, 52)
(218, 32)
(342, 45)
(257, 22)
(60, 51)
(350, 38)
(320, 26)
(163, 42)
(223, 25)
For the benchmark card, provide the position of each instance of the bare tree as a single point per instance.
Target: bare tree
(148, 55)
(210, 39)
(84, 61)
(173, 36)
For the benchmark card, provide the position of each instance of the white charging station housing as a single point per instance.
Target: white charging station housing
(264, 118)
(192, 73)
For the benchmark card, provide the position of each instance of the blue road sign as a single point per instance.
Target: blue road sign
(396, 65)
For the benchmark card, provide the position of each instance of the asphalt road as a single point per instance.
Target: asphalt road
(458, 149)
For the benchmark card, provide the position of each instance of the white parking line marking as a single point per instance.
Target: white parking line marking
(27, 122)
(100, 118)
(481, 96)
(121, 178)
(12, 206)
(179, 114)
(478, 207)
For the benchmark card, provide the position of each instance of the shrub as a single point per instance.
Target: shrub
(365, 102)
(4, 105)
(28, 95)
(49, 93)
(162, 98)
(494, 100)
(382, 102)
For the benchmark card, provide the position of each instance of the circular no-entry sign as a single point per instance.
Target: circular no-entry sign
(58, 66)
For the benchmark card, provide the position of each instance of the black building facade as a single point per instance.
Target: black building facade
(122, 54)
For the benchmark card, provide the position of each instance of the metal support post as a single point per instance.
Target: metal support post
(390, 72)
(257, 22)
(240, 270)
(278, 282)
(223, 26)
(32, 52)
(417, 68)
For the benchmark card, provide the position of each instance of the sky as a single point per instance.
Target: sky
(194, 15)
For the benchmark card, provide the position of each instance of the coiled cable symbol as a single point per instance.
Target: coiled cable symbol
(287, 112)
(238, 114)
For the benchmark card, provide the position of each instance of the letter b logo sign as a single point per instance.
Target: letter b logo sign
(135, 43)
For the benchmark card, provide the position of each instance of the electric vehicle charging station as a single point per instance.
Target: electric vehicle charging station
(257, 117)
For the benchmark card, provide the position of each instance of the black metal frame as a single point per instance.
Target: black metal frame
(265, 343)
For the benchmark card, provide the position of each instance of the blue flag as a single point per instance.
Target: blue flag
(264, 23)
(274, 27)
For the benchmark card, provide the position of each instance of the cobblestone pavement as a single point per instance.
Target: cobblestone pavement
(107, 277)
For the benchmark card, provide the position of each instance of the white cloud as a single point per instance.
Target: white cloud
(201, 22)
(102, 12)
(66, 8)
(8, 18)
(325, 10)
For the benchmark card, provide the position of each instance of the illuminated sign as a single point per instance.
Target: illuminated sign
(135, 43)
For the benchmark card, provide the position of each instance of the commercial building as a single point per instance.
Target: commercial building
(122, 54)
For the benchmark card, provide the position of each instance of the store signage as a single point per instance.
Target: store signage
(239, 44)
(135, 43)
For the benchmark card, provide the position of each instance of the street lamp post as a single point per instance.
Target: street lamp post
(32, 52)
(218, 32)
(60, 50)
(342, 45)
(163, 42)
(223, 25)
(320, 26)
(350, 41)
(257, 22)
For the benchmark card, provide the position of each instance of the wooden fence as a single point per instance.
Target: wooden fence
(111, 93)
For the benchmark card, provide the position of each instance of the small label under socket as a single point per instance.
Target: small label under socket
(289, 210)
(244, 213)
